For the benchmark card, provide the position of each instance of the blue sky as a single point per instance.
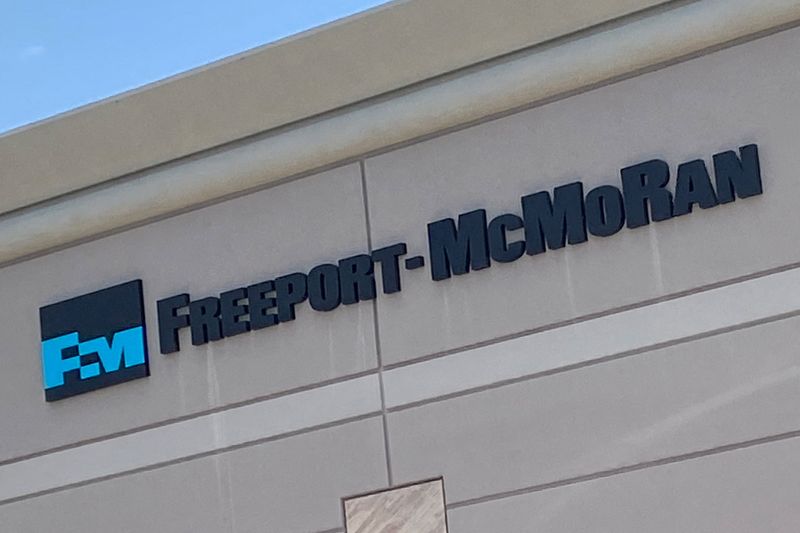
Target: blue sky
(56, 55)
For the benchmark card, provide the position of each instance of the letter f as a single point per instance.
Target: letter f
(53, 363)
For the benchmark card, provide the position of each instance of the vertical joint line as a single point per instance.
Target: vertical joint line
(376, 329)
(363, 170)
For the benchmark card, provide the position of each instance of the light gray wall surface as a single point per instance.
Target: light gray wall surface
(693, 110)
(292, 484)
(683, 431)
(204, 252)
(693, 396)
(748, 490)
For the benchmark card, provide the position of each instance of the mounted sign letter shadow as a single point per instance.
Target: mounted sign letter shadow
(416, 508)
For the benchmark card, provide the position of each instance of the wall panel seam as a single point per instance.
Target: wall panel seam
(376, 325)
(690, 456)
(192, 416)
(592, 316)
(594, 362)
(189, 458)
(245, 426)
(763, 299)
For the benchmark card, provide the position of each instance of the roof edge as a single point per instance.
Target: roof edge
(535, 76)
(323, 69)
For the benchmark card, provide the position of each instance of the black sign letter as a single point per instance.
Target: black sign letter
(457, 251)
(693, 186)
(554, 222)
(738, 177)
(645, 183)
(169, 322)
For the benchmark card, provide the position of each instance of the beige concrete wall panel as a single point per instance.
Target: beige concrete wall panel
(177, 499)
(687, 398)
(672, 322)
(247, 240)
(180, 440)
(691, 110)
(754, 489)
(636, 330)
(296, 485)
(539, 74)
(285, 486)
(301, 76)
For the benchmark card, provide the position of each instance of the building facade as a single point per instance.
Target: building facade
(539, 256)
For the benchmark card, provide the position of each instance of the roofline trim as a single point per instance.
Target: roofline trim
(538, 75)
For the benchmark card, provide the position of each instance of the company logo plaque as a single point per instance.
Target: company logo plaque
(93, 341)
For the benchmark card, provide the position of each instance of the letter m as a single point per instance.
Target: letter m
(126, 346)
(457, 250)
(554, 222)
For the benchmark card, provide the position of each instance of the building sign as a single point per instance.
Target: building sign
(456, 246)
(93, 341)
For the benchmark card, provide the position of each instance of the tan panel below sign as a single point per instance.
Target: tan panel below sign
(411, 509)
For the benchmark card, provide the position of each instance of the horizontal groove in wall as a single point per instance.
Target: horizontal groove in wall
(190, 416)
(191, 438)
(498, 88)
(739, 305)
(189, 458)
(594, 315)
(728, 448)
(628, 331)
